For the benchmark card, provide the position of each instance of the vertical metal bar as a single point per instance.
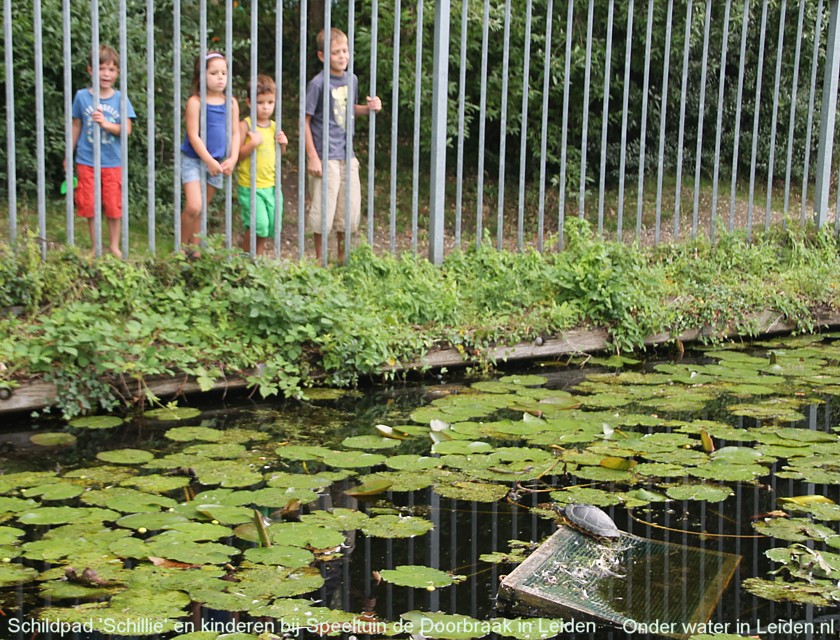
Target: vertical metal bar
(69, 217)
(278, 119)
(828, 115)
(719, 125)
(415, 174)
(482, 116)
(374, 42)
(605, 116)
(302, 133)
(395, 110)
(523, 127)
(440, 100)
(350, 119)
(774, 119)
(756, 114)
(628, 47)
(325, 146)
(810, 119)
(150, 126)
(584, 129)
(640, 195)
(462, 88)
(734, 180)
(229, 123)
(97, 132)
(39, 127)
(124, 119)
(176, 119)
(702, 108)
(202, 112)
(252, 227)
(681, 134)
(549, 19)
(837, 211)
(500, 212)
(792, 121)
(662, 114)
(563, 129)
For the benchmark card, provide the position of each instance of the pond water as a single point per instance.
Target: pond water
(732, 452)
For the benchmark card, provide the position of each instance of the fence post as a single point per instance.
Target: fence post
(440, 102)
(828, 115)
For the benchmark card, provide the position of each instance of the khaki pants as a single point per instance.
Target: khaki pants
(336, 198)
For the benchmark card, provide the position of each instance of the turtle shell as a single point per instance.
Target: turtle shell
(592, 521)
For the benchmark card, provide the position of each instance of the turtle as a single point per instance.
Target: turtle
(590, 520)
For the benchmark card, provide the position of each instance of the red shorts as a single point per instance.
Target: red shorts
(111, 191)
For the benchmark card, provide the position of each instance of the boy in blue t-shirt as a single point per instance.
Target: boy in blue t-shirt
(106, 118)
(342, 88)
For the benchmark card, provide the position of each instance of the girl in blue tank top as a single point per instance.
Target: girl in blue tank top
(210, 153)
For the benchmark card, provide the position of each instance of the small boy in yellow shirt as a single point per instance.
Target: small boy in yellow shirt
(263, 139)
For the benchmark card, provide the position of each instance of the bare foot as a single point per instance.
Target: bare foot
(116, 251)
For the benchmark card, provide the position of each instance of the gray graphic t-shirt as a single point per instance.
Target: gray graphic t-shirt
(340, 92)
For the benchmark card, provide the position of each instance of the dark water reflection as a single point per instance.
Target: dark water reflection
(464, 530)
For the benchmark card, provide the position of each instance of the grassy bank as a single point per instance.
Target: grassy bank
(75, 321)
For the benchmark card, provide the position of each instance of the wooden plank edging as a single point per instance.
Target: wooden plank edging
(34, 395)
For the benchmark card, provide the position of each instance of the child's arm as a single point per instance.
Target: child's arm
(76, 131)
(372, 105)
(191, 116)
(314, 168)
(229, 164)
(250, 140)
(111, 127)
(282, 140)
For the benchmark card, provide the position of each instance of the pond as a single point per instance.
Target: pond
(407, 505)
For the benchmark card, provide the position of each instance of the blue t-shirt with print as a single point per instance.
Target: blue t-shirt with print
(342, 90)
(110, 148)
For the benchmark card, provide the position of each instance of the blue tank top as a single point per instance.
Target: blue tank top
(216, 133)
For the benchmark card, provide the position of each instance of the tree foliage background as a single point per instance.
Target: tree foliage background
(364, 48)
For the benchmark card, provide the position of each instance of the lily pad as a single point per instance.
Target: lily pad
(188, 434)
(472, 491)
(61, 515)
(300, 534)
(793, 529)
(352, 459)
(416, 576)
(370, 442)
(156, 483)
(412, 462)
(302, 452)
(287, 556)
(709, 493)
(126, 456)
(96, 422)
(150, 521)
(13, 574)
(169, 414)
(53, 491)
(53, 439)
(524, 380)
(396, 527)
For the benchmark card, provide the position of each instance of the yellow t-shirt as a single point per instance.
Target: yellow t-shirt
(265, 158)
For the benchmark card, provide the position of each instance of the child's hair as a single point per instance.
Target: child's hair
(264, 85)
(195, 87)
(107, 55)
(335, 34)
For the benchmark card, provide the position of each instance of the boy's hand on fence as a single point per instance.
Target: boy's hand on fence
(374, 104)
(314, 167)
(281, 138)
(98, 116)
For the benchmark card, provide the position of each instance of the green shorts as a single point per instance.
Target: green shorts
(265, 213)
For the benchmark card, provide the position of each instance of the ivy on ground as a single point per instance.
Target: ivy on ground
(81, 322)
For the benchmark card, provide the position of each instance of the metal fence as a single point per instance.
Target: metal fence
(477, 95)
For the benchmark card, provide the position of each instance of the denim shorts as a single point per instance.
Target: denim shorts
(191, 172)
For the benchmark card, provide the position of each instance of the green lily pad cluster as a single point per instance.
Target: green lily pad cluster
(228, 517)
